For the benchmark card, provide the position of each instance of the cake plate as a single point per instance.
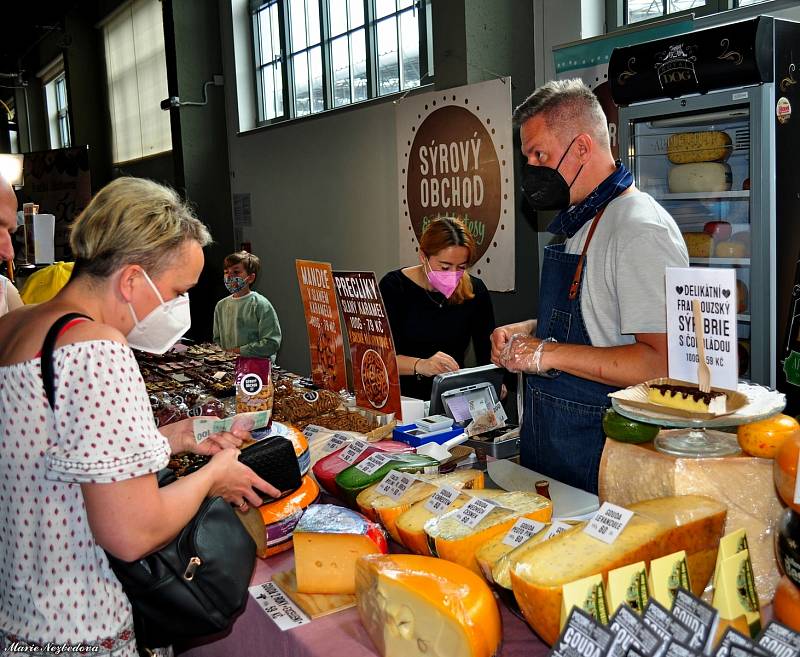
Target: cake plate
(698, 438)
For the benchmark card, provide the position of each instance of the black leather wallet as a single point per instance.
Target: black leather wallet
(273, 459)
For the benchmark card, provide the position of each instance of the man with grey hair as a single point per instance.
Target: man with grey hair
(602, 311)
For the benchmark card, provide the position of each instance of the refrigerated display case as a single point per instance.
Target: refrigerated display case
(703, 128)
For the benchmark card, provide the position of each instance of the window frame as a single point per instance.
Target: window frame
(421, 8)
(616, 12)
(53, 78)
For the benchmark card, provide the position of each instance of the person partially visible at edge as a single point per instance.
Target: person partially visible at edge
(9, 296)
(246, 322)
(610, 332)
(436, 308)
(79, 478)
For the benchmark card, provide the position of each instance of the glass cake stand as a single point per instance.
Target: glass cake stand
(697, 438)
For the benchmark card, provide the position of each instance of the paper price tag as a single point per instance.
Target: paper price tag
(608, 523)
(336, 441)
(441, 500)
(312, 430)
(395, 484)
(353, 451)
(473, 512)
(373, 463)
(522, 530)
(556, 528)
(277, 605)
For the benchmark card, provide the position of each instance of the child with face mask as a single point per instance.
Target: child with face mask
(246, 322)
(437, 308)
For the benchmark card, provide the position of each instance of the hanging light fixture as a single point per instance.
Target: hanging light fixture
(11, 168)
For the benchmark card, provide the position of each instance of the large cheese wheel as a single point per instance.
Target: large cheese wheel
(784, 469)
(765, 437)
(699, 245)
(328, 541)
(386, 510)
(658, 527)
(786, 605)
(453, 540)
(700, 177)
(708, 146)
(414, 606)
(281, 516)
(410, 525)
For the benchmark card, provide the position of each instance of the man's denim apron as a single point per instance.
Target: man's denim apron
(562, 434)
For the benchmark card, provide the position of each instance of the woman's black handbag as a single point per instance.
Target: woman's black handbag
(197, 584)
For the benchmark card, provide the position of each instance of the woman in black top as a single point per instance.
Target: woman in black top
(436, 308)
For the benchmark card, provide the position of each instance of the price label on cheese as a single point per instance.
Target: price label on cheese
(473, 512)
(395, 484)
(312, 430)
(353, 451)
(556, 528)
(336, 441)
(608, 523)
(522, 530)
(373, 463)
(441, 500)
(278, 606)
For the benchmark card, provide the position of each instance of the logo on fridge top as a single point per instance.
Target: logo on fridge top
(676, 65)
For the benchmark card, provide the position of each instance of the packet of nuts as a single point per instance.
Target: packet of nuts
(254, 388)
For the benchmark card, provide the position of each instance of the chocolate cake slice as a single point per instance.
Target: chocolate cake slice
(687, 398)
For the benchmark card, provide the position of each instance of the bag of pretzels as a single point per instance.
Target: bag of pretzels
(254, 388)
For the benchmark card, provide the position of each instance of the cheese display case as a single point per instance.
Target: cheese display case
(705, 126)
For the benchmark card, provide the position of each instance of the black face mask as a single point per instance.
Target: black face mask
(545, 188)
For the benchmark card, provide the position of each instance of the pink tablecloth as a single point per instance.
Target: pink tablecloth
(255, 635)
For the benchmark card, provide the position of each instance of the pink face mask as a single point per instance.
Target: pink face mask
(445, 282)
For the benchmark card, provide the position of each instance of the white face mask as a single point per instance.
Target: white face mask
(163, 326)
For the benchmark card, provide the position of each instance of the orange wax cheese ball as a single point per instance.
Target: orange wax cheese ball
(765, 437)
(786, 604)
(784, 469)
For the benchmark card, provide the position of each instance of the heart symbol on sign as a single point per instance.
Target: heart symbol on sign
(679, 289)
(726, 293)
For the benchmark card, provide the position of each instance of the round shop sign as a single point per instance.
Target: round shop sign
(251, 384)
(783, 109)
(454, 171)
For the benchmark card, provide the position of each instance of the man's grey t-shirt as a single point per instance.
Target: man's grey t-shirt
(623, 281)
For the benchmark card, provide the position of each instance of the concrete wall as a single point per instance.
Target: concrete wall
(324, 187)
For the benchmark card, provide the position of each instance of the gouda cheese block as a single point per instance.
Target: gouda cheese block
(658, 527)
(328, 541)
(385, 510)
(708, 146)
(453, 540)
(415, 606)
(700, 177)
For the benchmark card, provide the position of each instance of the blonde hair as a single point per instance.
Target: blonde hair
(442, 233)
(250, 263)
(133, 221)
(567, 106)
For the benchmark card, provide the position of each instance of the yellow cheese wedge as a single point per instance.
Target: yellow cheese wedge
(658, 527)
(328, 541)
(450, 539)
(385, 510)
(410, 525)
(415, 606)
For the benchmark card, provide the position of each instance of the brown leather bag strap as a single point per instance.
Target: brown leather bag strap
(576, 279)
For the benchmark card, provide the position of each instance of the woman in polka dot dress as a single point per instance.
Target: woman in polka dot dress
(79, 478)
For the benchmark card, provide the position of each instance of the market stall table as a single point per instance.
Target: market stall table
(254, 634)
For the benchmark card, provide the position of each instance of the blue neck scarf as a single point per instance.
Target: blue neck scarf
(569, 221)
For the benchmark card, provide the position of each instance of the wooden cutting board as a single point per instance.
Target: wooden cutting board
(313, 604)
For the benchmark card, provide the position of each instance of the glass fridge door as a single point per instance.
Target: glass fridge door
(697, 165)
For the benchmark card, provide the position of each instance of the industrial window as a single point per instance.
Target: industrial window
(137, 80)
(56, 104)
(314, 55)
(635, 11)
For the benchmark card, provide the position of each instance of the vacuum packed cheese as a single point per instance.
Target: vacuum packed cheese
(373, 504)
(351, 481)
(281, 516)
(328, 541)
(414, 606)
(410, 525)
(451, 538)
(659, 527)
(688, 147)
(700, 177)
